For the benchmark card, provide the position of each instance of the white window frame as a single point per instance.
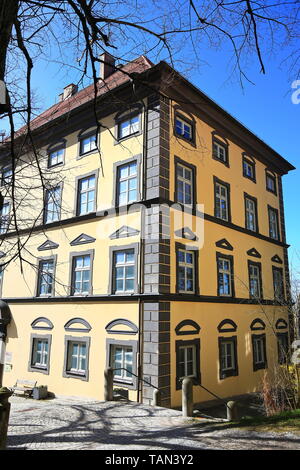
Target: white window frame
(127, 179)
(255, 276)
(56, 157)
(123, 265)
(183, 125)
(184, 264)
(4, 217)
(81, 270)
(44, 353)
(185, 182)
(52, 204)
(259, 350)
(217, 147)
(42, 274)
(223, 212)
(246, 167)
(251, 211)
(132, 126)
(6, 179)
(273, 224)
(185, 361)
(224, 357)
(121, 374)
(81, 192)
(223, 271)
(272, 179)
(91, 141)
(79, 356)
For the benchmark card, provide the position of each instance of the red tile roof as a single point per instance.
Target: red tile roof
(138, 65)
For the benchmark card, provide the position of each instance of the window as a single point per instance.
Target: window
(52, 204)
(273, 223)
(39, 360)
(4, 217)
(81, 274)
(271, 183)
(225, 275)
(251, 213)
(228, 357)
(184, 184)
(121, 359)
(76, 358)
(183, 128)
(56, 157)
(259, 351)
(87, 144)
(278, 284)
(249, 169)
(128, 126)
(220, 151)
(127, 183)
(6, 175)
(187, 361)
(40, 353)
(46, 278)
(86, 197)
(283, 347)
(186, 271)
(222, 206)
(124, 271)
(255, 280)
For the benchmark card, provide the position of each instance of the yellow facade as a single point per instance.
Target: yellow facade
(146, 320)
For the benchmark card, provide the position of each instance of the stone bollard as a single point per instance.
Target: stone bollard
(108, 384)
(5, 393)
(156, 398)
(187, 397)
(232, 411)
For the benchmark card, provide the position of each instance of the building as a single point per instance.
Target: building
(156, 243)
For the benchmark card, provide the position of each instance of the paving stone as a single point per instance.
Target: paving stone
(81, 424)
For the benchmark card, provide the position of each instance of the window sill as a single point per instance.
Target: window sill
(55, 165)
(226, 163)
(249, 178)
(119, 140)
(188, 141)
(90, 152)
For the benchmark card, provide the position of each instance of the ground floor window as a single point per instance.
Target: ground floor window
(259, 351)
(283, 347)
(76, 357)
(122, 357)
(40, 353)
(228, 357)
(122, 362)
(187, 361)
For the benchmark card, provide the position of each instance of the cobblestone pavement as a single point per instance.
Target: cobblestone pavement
(77, 424)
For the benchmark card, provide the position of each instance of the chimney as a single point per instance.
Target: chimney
(107, 66)
(69, 90)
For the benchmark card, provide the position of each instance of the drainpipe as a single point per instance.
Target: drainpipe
(141, 264)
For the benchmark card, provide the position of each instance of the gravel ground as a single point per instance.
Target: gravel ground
(77, 424)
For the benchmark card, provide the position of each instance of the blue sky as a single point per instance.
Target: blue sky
(266, 108)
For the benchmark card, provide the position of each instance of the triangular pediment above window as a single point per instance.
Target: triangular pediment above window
(82, 239)
(224, 244)
(276, 259)
(253, 252)
(48, 245)
(187, 233)
(124, 232)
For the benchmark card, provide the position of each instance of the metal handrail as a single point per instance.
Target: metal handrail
(139, 378)
(213, 394)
